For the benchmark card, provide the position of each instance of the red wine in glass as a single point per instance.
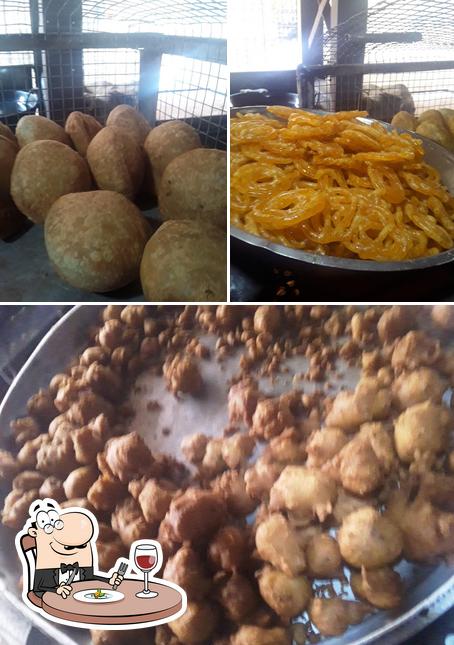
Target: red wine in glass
(146, 558)
(145, 562)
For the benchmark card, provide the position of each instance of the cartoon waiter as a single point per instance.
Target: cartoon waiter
(65, 542)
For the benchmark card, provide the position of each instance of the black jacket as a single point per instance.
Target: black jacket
(47, 579)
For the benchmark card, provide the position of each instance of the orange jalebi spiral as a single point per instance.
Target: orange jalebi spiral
(337, 185)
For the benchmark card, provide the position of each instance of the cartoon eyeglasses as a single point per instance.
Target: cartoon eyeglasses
(49, 520)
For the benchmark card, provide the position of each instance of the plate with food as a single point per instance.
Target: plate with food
(275, 452)
(98, 596)
(339, 190)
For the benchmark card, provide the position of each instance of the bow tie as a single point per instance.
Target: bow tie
(68, 567)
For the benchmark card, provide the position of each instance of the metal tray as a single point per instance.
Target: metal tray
(296, 259)
(430, 589)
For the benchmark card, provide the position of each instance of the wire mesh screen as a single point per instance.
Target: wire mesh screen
(414, 32)
(95, 80)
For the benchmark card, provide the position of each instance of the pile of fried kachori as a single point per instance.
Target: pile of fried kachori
(81, 182)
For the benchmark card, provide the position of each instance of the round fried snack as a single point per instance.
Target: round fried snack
(368, 539)
(197, 624)
(184, 261)
(127, 118)
(193, 186)
(43, 172)
(38, 128)
(82, 128)
(288, 596)
(95, 240)
(8, 152)
(323, 556)
(422, 428)
(116, 161)
(167, 141)
(6, 131)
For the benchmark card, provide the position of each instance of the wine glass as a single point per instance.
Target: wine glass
(146, 559)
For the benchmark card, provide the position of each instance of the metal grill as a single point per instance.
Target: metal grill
(399, 55)
(166, 58)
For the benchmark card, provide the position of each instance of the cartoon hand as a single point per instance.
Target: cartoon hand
(116, 579)
(64, 590)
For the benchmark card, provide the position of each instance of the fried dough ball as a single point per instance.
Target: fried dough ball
(427, 532)
(304, 491)
(422, 428)
(332, 616)
(154, 500)
(132, 122)
(277, 543)
(323, 557)
(242, 401)
(185, 262)
(129, 523)
(197, 624)
(193, 447)
(287, 448)
(43, 172)
(383, 588)
(437, 488)
(271, 417)
(368, 539)
(346, 504)
(52, 487)
(370, 401)
(182, 374)
(228, 550)
(443, 316)
(186, 569)
(238, 597)
(394, 322)
(15, 507)
(128, 457)
(267, 318)
(288, 596)
(261, 477)
(9, 465)
(420, 385)
(361, 465)
(166, 142)
(323, 445)
(116, 161)
(195, 514)
(79, 481)
(105, 493)
(237, 449)
(252, 635)
(193, 186)
(32, 128)
(232, 487)
(81, 128)
(213, 463)
(414, 350)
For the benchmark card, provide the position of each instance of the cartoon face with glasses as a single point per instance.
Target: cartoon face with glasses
(64, 548)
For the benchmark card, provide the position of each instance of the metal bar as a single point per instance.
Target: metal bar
(275, 82)
(386, 37)
(316, 26)
(37, 54)
(312, 54)
(207, 49)
(150, 68)
(322, 71)
(347, 88)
